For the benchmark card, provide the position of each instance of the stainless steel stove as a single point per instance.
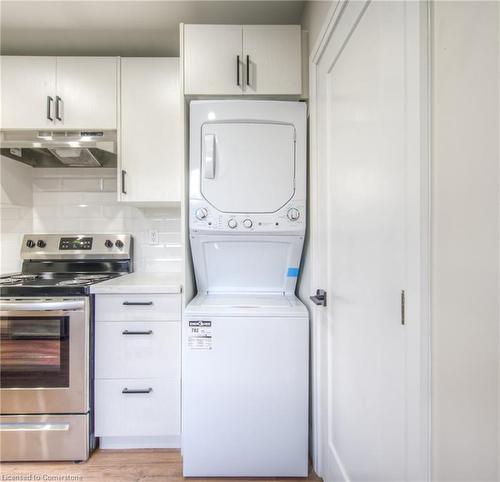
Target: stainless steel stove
(46, 344)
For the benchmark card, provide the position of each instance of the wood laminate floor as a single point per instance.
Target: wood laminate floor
(146, 465)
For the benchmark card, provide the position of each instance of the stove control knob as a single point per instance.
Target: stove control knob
(232, 223)
(247, 223)
(201, 213)
(41, 243)
(293, 214)
(30, 243)
(119, 244)
(108, 243)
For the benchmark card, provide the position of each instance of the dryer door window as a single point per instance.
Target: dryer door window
(247, 167)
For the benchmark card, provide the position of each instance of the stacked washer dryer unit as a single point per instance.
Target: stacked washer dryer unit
(246, 335)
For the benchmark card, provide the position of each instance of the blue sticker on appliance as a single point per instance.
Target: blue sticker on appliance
(292, 272)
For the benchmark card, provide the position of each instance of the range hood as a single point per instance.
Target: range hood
(60, 148)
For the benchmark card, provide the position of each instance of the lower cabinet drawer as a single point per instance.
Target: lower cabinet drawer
(138, 307)
(130, 407)
(128, 349)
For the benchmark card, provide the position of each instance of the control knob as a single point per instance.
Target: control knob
(108, 243)
(232, 223)
(30, 243)
(119, 244)
(201, 213)
(293, 214)
(41, 243)
(247, 223)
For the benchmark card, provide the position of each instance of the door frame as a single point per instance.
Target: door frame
(341, 20)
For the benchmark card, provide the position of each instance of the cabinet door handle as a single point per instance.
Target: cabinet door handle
(58, 108)
(49, 108)
(126, 332)
(141, 390)
(248, 70)
(238, 70)
(137, 303)
(124, 173)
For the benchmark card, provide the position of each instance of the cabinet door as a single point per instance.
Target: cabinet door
(87, 91)
(28, 84)
(212, 60)
(272, 57)
(151, 140)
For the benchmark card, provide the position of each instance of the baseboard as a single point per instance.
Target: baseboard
(165, 442)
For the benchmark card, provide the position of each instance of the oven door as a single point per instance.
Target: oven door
(44, 347)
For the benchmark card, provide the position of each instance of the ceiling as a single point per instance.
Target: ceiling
(124, 28)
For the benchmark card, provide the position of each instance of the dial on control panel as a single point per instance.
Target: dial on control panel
(201, 213)
(232, 223)
(119, 244)
(41, 243)
(108, 243)
(247, 223)
(30, 243)
(293, 214)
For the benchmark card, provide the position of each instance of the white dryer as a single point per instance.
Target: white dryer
(245, 335)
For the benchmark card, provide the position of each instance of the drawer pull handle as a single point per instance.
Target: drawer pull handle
(126, 332)
(137, 303)
(143, 390)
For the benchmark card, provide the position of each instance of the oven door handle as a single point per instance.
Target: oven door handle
(42, 305)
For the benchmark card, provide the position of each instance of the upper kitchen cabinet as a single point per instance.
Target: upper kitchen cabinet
(242, 60)
(151, 131)
(212, 59)
(28, 89)
(87, 92)
(59, 92)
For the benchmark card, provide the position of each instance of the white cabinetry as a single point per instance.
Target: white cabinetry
(59, 92)
(28, 86)
(242, 60)
(87, 92)
(137, 370)
(151, 139)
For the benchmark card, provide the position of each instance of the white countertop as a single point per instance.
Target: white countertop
(140, 283)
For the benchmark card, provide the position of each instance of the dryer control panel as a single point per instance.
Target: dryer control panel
(203, 218)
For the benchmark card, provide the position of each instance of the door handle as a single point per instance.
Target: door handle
(58, 108)
(124, 173)
(49, 108)
(319, 298)
(141, 390)
(126, 332)
(209, 161)
(248, 70)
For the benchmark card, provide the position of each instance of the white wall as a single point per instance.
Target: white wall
(465, 223)
(313, 16)
(69, 200)
(15, 211)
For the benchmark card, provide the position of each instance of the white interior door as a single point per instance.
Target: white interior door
(363, 109)
(248, 167)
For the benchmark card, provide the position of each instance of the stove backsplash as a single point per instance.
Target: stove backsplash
(84, 200)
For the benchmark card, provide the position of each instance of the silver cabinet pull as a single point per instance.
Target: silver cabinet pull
(127, 332)
(49, 108)
(58, 108)
(124, 173)
(137, 303)
(140, 390)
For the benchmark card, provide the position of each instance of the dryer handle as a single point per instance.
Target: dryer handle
(209, 156)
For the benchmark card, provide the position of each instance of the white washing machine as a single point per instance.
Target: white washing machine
(245, 335)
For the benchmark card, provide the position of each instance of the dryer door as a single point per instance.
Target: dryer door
(247, 167)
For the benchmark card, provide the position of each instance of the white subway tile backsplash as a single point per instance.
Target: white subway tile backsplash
(85, 201)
